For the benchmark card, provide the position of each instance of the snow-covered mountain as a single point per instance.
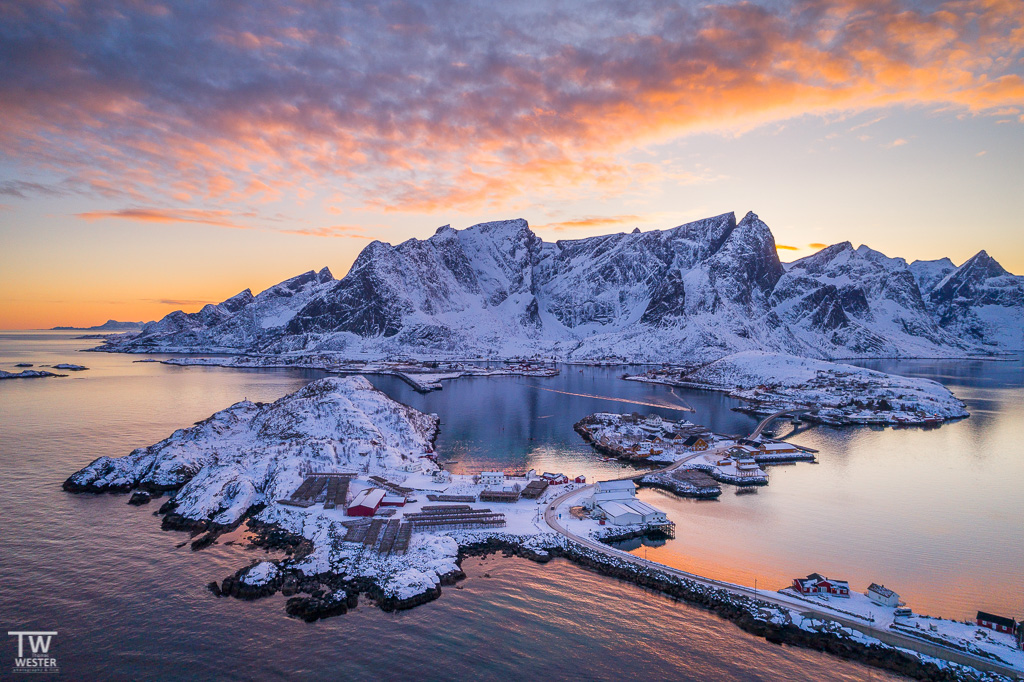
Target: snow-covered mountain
(695, 292)
(239, 323)
(982, 302)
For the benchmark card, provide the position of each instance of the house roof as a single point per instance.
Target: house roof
(881, 590)
(692, 440)
(998, 620)
(613, 508)
(603, 486)
(640, 507)
(368, 497)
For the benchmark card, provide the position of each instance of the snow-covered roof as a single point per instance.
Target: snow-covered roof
(605, 486)
(615, 509)
(640, 507)
(368, 497)
(881, 590)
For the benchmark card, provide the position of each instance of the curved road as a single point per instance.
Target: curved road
(882, 634)
(768, 420)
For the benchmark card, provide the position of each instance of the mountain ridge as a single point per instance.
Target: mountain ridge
(697, 291)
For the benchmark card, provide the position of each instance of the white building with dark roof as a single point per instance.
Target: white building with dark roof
(882, 595)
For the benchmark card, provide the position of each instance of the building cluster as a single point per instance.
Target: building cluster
(633, 436)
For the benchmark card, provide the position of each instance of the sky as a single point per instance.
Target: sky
(157, 156)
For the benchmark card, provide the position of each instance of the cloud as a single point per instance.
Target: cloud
(351, 231)
(590, 222)
(783, 247)
(159, 215)
(420, 106)
(983, 152)
(178, 301)
(898, 142)
(867, 123)
(22, 189)
(816, 245)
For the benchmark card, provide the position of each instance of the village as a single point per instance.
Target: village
(383, 514)
(702, 459)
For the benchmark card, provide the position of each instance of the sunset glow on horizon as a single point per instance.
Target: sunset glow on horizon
(158, 156)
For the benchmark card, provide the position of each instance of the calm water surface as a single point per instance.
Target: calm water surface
(935, 514)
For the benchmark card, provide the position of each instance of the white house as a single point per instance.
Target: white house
(652, 423)
(492, 479)
(611, 491)
(882, 595)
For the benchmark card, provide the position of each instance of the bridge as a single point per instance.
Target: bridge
(763, 424)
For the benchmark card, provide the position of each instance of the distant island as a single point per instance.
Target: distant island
(108, 326)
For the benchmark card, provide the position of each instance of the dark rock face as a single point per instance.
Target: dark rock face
(139, 498)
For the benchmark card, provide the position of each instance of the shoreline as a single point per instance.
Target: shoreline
(324, 595)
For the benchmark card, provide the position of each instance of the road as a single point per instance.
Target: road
(803, 607)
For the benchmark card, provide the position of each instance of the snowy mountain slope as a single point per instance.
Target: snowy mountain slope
(982, 302)
(928, 273)
(692, 293)
(253, 453)
(236, 324)
(863, 301)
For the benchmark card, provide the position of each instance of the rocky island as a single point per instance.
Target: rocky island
(28, 374)
(816, 390)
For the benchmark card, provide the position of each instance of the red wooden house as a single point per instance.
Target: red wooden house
(997, 623)
(816, 583)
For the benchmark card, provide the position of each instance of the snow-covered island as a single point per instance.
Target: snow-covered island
(423, 376)
(698, 459)
(826, 392)
(297, 468)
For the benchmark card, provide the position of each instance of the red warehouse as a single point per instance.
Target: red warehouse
(366, 502)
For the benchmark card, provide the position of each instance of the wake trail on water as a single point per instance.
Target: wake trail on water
(664, 406)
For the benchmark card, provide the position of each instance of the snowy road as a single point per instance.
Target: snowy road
(567, 500)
